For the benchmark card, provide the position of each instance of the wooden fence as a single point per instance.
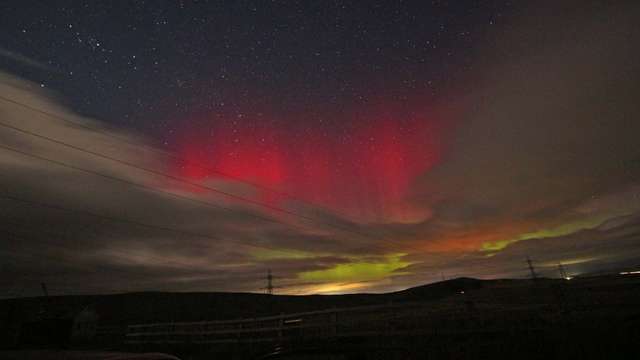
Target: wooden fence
(375, 320)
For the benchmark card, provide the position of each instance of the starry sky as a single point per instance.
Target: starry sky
(348, 146)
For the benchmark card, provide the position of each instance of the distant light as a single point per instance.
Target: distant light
(462, 292)
(630, 272)
(568, 278)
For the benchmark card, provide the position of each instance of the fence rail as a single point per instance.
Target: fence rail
(396, 319)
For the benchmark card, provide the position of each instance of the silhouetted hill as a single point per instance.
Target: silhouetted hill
(142, 307)
(441, 289)
(194, 306)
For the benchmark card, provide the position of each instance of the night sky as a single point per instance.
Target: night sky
(347, 146)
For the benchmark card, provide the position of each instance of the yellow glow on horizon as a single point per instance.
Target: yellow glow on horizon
(333, 288)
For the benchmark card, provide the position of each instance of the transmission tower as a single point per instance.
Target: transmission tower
(269, 288)
(531, 269)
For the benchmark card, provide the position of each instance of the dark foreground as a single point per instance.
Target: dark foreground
(585, 318)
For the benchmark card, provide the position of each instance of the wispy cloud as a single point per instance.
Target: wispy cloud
(25, 60)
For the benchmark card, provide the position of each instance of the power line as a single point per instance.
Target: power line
(124, 181)
(166, 153)
(179, 179)
(151, 171)
(142, 186)
(115, 219)
(126, 221)
(74, 123)
(134, 184)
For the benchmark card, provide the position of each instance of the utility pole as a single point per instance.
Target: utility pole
(531, 269)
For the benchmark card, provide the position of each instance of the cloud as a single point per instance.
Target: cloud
(58, 246)
(549, 124)
(88, 237)
(543, 162)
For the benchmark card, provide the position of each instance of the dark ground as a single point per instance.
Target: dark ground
(596, 317)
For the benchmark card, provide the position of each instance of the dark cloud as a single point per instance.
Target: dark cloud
(551, 122)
